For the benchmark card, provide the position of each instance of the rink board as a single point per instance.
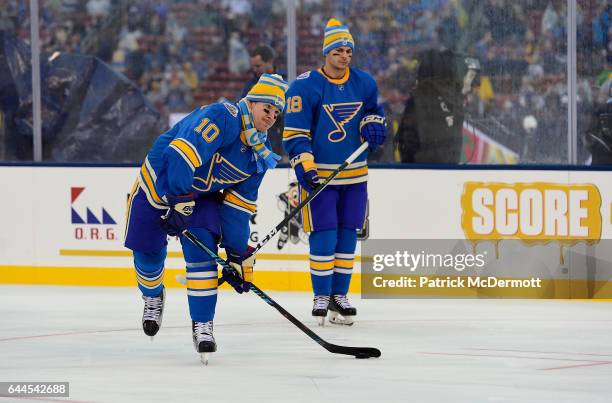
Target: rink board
(65, 225)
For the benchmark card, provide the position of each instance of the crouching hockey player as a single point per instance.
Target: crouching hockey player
(330, 112)
(203, 175)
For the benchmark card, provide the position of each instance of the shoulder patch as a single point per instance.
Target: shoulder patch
(303, 76)
(231, 108)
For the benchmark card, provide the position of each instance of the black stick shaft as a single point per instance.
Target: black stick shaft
(332, 348)
(307, 200)
(310, 196)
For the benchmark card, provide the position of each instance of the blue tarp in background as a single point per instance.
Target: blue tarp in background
(89, 111)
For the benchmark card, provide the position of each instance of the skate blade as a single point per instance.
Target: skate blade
(151, 337)
(204, 358)
(320, 320)
(337, 319)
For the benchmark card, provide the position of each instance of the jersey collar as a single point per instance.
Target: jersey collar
(340, 80)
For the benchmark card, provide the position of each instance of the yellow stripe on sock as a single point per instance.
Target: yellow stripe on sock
(321, 265)
(148, 283)
(344, 263)
(202, 284)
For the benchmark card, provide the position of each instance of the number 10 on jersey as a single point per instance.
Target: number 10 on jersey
(208, 130)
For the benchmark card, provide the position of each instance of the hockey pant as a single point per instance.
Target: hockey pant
(333, 218)
(148, 242)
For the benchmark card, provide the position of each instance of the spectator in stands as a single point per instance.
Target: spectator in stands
(238, 55)
(7, 21)
(178, 99)
(190, 77)
(262, 61)
(98, 8)
(239, 8)
(135, 62)
(200, 65)
(601, 25)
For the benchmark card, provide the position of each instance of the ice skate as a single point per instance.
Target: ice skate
(203, 339)
(319, 308)
(341, 312)
(153, 313)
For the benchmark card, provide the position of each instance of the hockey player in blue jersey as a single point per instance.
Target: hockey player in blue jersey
(330, 112)
(203, 175)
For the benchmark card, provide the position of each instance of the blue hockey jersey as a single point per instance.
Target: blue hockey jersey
(323, 116)
(206, 152)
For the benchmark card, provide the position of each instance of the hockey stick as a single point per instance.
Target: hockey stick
(310, 196)
(357, 352)
(181, 279)
(308, 199)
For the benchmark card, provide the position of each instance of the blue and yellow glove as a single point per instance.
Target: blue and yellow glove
(306, 171)
(242, 264)
(178, 217)
(373, 129)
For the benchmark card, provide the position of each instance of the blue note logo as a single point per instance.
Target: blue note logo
(340, 115)
(88, 221)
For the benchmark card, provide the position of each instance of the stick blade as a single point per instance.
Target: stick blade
(367, 352)
(357, 352)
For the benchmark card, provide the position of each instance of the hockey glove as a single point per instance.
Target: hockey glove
(373, 130)
(178, 217)
(306, 171)
(241, 276)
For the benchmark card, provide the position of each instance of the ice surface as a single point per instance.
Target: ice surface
(432, 350)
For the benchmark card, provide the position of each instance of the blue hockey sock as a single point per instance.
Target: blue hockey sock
(150, 272)
(201, 276)
(344, 257)
(322, 245)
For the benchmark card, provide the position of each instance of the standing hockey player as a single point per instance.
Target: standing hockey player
(330, 112)
(203, 175)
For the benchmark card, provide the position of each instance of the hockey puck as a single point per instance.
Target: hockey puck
(361, 355)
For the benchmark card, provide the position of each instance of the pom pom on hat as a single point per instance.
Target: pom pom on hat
(336, 35)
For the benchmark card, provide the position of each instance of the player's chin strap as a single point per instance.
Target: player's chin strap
(256, 139)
